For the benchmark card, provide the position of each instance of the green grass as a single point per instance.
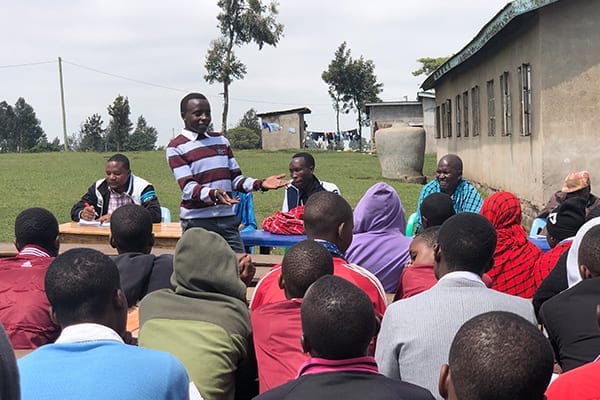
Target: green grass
(55, 181)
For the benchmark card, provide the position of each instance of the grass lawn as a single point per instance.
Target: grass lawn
(55, 181)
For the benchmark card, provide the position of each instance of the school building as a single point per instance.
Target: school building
(520, 103)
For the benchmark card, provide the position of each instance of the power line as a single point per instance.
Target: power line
(27, 64)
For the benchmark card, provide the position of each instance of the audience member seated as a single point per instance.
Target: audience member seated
(276, 327)
(244, 210)
(559, 278)
(580, 383)
(448, 179)
(338, 323)
(118, 188)
(563, 224)
(435, 209)
(379, 244)
(204, 321)
(328, 220)
(141, 272)
(25, 309)
(90, 358)
(416, 333)
(482, 366)
(418, 275)
(515, 255)
(570, 316)
(577, 184)
(303, 183)
(9, 373)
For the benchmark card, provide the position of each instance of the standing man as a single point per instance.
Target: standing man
(448, 179)
(304, 183)
(207, 173)
(118, 188)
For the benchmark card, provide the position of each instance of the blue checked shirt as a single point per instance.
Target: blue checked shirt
(465, 198)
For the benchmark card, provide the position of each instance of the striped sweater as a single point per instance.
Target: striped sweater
(201, 164)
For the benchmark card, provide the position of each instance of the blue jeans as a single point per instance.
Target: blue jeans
(227, 227)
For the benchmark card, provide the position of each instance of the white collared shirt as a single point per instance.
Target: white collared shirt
(87, 332)
(456, 275)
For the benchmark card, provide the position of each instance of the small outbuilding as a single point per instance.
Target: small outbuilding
(283, 129)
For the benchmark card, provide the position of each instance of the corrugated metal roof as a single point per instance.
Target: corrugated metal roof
(511, 11)
(302, 110)
(394, 103)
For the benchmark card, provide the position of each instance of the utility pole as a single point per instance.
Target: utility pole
(62, 102)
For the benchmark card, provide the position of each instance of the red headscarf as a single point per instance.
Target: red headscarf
(515, 255)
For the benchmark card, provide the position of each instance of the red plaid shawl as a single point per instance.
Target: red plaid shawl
(515, 255)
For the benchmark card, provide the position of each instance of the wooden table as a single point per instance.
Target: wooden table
(166, 234)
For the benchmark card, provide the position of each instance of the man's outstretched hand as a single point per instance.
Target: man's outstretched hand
(274, 182)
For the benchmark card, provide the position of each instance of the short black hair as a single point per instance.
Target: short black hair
(36, 226)
(131, 228)
(80, 284)
(338, 319)
(309, 160)
(589, 250)
(303, 264)
(429, 235)
(500, 355)
(324, 212)
(188, 97)
(468, 242)
(453, 161)
(9, 372)
(122, 159)
(437, 208)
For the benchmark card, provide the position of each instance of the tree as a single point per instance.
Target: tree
(27, 129)
(240, 22)
(428, 65)
(91, 134)
(336, 81)
(143, 137)
(119, 126)
(250, 121)
(44, 146)
(243, 138)
(7, 127)
(353, 83)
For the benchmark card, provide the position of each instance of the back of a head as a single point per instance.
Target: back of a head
(324, 212)
(80, 284)
(437, 208)
(468, 242)
(122, 158)
(338, 320)
(303, 264)
(589, 251)
(309, 160)
(566, 219)
(500, 355)
(131, 228)
(9, 372)
(36, 226)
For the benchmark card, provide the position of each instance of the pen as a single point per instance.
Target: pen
(89, 205)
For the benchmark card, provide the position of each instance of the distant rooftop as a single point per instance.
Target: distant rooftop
(302, 110)
(511, 11)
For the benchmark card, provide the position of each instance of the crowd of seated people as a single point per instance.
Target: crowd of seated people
(318, 325)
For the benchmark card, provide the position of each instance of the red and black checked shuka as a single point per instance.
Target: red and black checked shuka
(547, 262)
(515, 255)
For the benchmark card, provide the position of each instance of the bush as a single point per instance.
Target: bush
(243, 138)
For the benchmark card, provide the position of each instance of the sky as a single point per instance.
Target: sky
(153, 52)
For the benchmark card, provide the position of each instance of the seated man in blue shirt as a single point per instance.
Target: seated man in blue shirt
(448, 179)
(90, 358)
